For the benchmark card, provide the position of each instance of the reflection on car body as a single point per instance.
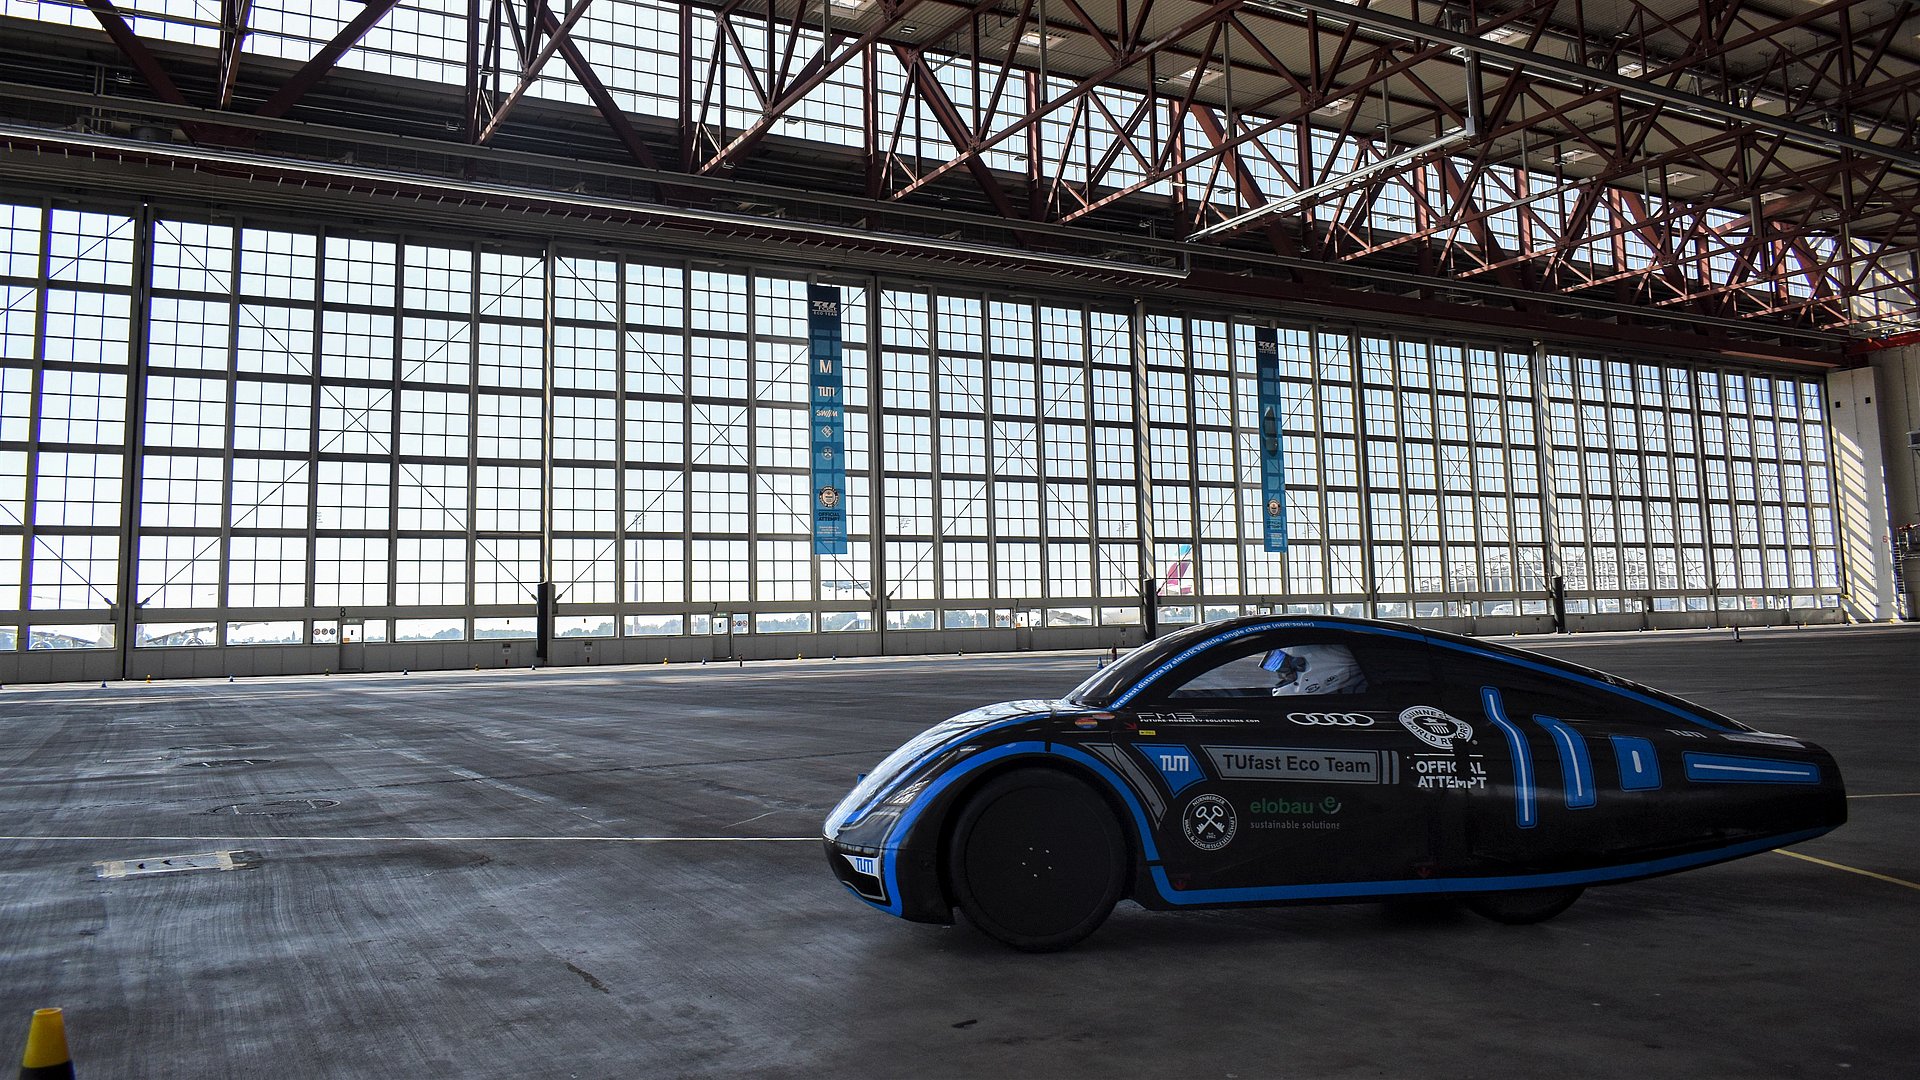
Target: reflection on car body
(1288, 759)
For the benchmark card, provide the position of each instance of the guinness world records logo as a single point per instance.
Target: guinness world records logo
(1209, 822)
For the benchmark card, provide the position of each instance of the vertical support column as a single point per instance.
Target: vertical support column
(235, 293)
(23, 596)
(395, 423)
(1363, 493)
(317, 395)
(1860, 470)
(124, 615)
(1142, 471)
(543, 632)
(686, 445)
(620, 525)
(876, 519)
(1549, 493)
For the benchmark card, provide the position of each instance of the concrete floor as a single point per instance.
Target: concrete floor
(491, 875)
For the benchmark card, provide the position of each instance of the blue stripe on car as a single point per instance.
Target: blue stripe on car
(1726, 769)
(1639, 765)
(1525, 812)
(1576, 768)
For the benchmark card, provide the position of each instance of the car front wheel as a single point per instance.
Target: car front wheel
(1036, 859)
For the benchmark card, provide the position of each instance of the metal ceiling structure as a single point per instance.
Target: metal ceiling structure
(1737, 177)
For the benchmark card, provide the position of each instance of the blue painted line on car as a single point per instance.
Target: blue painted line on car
(1525, 808)
(1639, 765)
(1576, 768)
(1727, 769)
(1555, 879)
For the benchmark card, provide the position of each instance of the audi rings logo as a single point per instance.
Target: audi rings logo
(1209, 822)
(1331, 719)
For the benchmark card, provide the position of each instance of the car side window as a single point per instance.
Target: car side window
(1275, 670)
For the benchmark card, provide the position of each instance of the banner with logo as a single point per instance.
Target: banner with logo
(825, 388)
(1273, 468)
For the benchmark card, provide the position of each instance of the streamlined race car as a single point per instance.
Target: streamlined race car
(1271, 759)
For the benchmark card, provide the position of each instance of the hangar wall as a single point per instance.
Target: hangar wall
(1861, 470)
(1896, 375)
(248, 446)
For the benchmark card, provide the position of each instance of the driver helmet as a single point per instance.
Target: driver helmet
(1315, 669)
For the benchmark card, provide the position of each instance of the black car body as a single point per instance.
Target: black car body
(1232, 771)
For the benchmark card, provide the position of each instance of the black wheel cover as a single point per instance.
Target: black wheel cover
(1524, 906)
(1036, 859)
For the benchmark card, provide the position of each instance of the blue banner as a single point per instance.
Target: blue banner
(826, 387)
(1273, 466)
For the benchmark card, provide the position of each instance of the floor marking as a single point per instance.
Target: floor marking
(1850, 869)
(174, 864)
(445, 839)
(1890, 795)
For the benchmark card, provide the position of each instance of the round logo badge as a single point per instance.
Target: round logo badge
(1273, 507)
(1209, 822)
(1435, 728)
(829, 496)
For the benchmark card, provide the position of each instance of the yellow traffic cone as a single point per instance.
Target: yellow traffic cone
(46, 1057)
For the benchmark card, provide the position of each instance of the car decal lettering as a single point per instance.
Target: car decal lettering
(1525, 812)
(1724, 769)
(1315, 764)
(1176, 764)
(1438, 770)
(1639, 765)
(1576, 767)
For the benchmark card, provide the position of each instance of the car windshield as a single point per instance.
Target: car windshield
(1113, 680)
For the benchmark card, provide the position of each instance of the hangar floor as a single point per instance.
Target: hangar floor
(583, 873)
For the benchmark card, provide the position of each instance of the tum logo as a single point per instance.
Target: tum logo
(1177, 763)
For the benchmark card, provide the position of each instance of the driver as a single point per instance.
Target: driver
(1315, 669)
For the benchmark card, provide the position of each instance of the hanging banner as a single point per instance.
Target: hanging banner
(826, 387)
(1273, 469)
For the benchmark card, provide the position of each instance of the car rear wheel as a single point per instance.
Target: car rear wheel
(1525, 905)
(1036, 859)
